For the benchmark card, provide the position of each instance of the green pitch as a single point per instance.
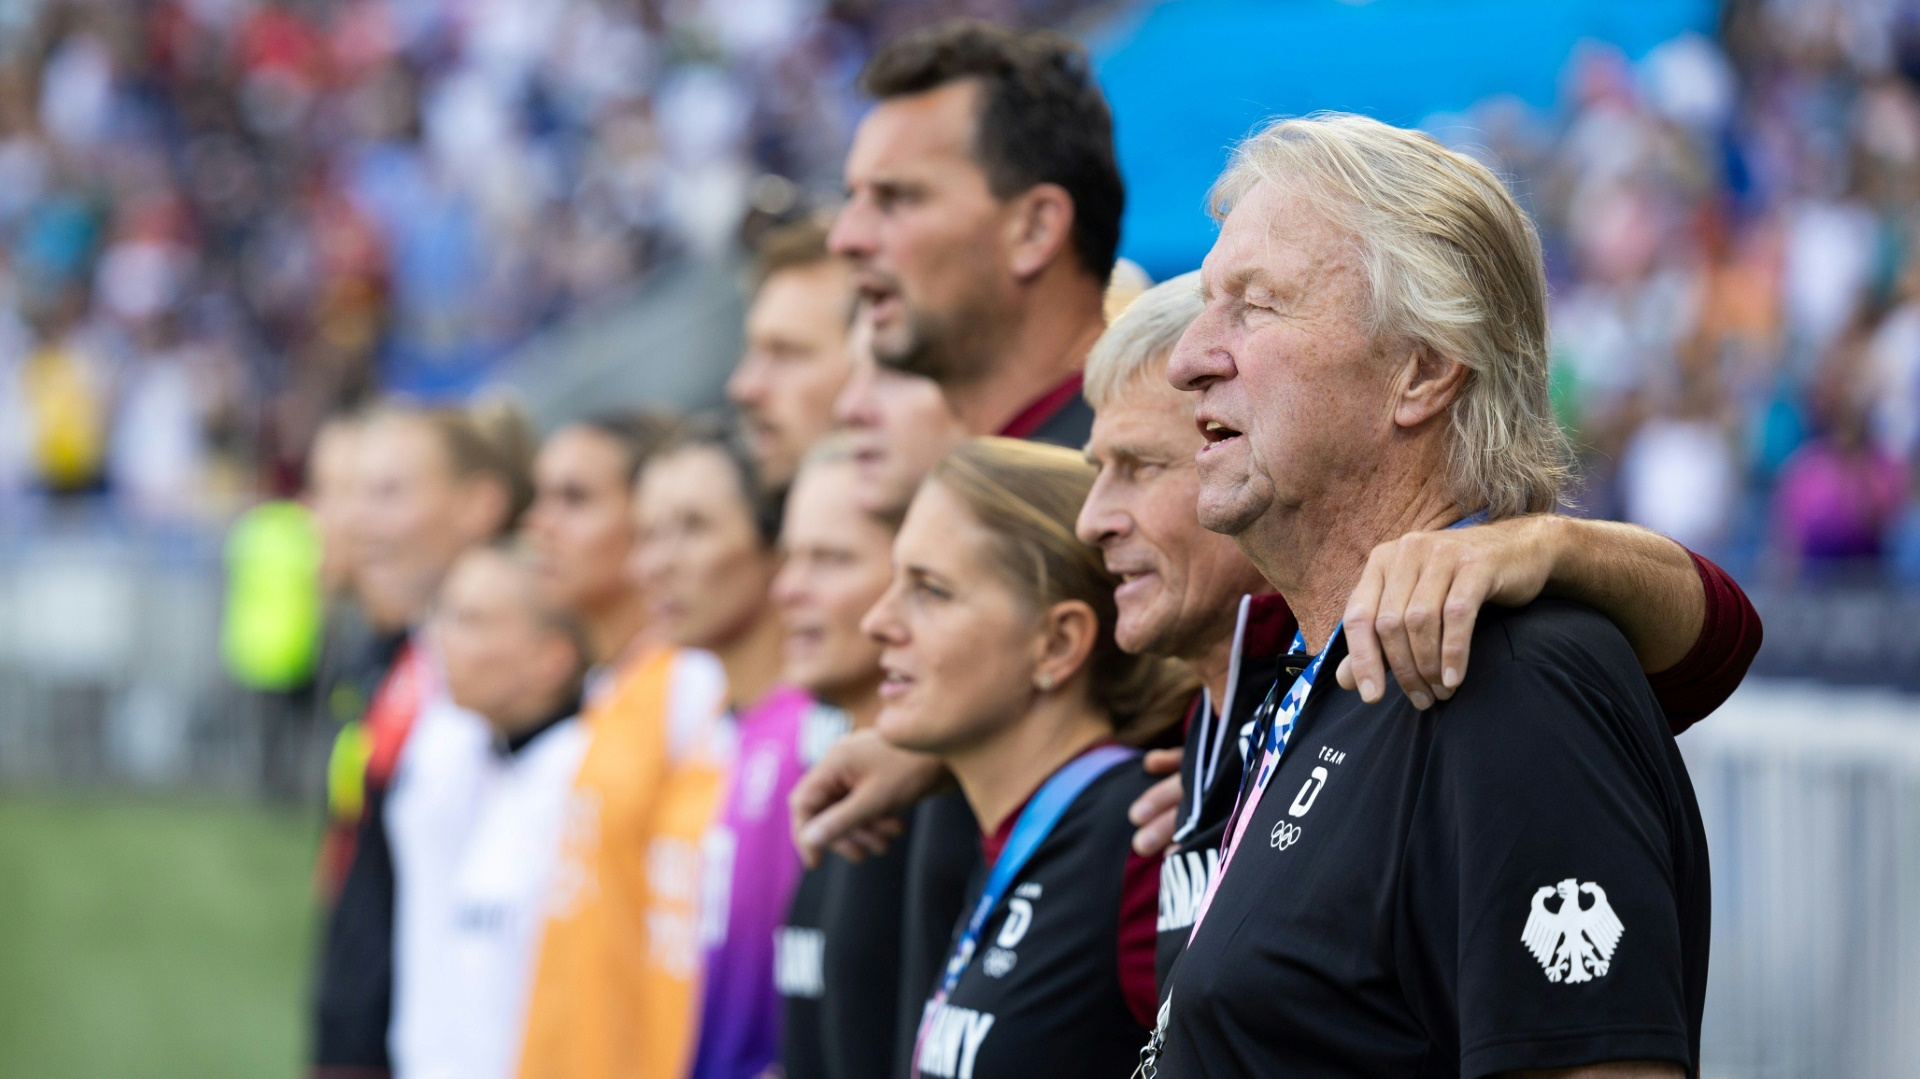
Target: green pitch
(152, 939)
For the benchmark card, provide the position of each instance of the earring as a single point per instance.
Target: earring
(1046, 683)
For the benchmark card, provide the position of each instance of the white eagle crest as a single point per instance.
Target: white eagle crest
(1572, 944)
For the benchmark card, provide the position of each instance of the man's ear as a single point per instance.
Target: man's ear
(1426, 386)
(1040, 227)
(1068, 630)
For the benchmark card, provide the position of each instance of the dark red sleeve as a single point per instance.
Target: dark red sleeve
(1139, 933)
(1729, 639)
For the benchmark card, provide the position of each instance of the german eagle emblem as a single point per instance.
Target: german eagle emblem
(1572, 944)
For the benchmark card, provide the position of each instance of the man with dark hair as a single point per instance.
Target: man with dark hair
(796, 359)
(982, 215)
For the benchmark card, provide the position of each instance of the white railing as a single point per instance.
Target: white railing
(109, 666)
(1811, 797)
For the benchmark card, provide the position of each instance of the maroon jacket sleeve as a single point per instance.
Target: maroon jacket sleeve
(1713, 668)
(1139, 934)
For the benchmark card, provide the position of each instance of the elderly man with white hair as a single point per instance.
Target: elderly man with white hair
(1513, 880)
(1193, 595)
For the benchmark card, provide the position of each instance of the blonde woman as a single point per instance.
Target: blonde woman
(999, 659)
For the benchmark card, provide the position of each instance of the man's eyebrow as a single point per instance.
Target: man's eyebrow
(922, 573)
(898, 185)
(1134, 454)
(1238, 280)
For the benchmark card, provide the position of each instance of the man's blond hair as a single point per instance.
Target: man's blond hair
(1453, 265)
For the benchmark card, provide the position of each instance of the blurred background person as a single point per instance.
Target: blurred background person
(353, 657)
(837, 957)
(1839, 497)
(998, 655)
(518, 665)
(580, 531)
(432, 484)
(615, 989)
(898, 426)
(331, 474)
(707, 556)
(797, 356)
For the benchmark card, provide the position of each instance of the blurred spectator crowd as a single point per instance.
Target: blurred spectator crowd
(1731, 230)
(221, 220)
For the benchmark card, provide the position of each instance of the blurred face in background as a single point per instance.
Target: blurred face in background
(414, 515)
(899, 424)
(505, 660)
(795, 364)
(959, 647)
(331, 471)
(836, 565)
(580, 528)
(700, 557)
(926, 234)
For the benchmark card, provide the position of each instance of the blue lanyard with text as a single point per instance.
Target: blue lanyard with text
(1278, 733)
(1035, 823)
(1290, 707)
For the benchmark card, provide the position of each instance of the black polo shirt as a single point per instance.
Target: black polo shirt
(1515, 879)
(837, 959)
(837, 965)
(1044, 995)
(1210, 770)
(943, 856)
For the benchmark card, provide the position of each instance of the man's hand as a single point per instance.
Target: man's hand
(1417, 601)
(1156, 814)
(1415, 606)
(851, 800)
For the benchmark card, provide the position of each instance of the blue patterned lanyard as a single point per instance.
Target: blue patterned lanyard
(1035, 823)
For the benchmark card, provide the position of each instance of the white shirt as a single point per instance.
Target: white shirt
(497, 905)
(431, 814)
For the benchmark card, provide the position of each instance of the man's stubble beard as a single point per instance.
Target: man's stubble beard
(952, 349)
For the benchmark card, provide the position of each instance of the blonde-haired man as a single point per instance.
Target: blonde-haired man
(1193, 595)
(1514, 879)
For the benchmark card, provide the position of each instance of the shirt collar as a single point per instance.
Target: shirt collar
(1036, 414)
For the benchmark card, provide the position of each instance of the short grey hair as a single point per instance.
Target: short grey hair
(1136, 346)
(1452, 264)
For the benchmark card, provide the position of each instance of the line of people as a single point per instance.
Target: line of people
(1021, 614)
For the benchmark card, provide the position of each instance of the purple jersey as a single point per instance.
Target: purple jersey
(749, 870)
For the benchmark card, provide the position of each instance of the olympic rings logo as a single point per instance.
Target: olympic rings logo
(1284, 835)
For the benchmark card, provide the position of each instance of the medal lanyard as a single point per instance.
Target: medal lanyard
(1278, 732)
(1035, 823)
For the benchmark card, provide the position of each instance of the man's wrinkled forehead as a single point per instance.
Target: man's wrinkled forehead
(1146, 413)
(1273, 240)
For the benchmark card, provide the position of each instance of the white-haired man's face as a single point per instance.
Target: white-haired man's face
(1178, 581)
(1293, 397)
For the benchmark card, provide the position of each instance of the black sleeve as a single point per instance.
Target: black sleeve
(354, 998)
(1545, 909)
(943, 857)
